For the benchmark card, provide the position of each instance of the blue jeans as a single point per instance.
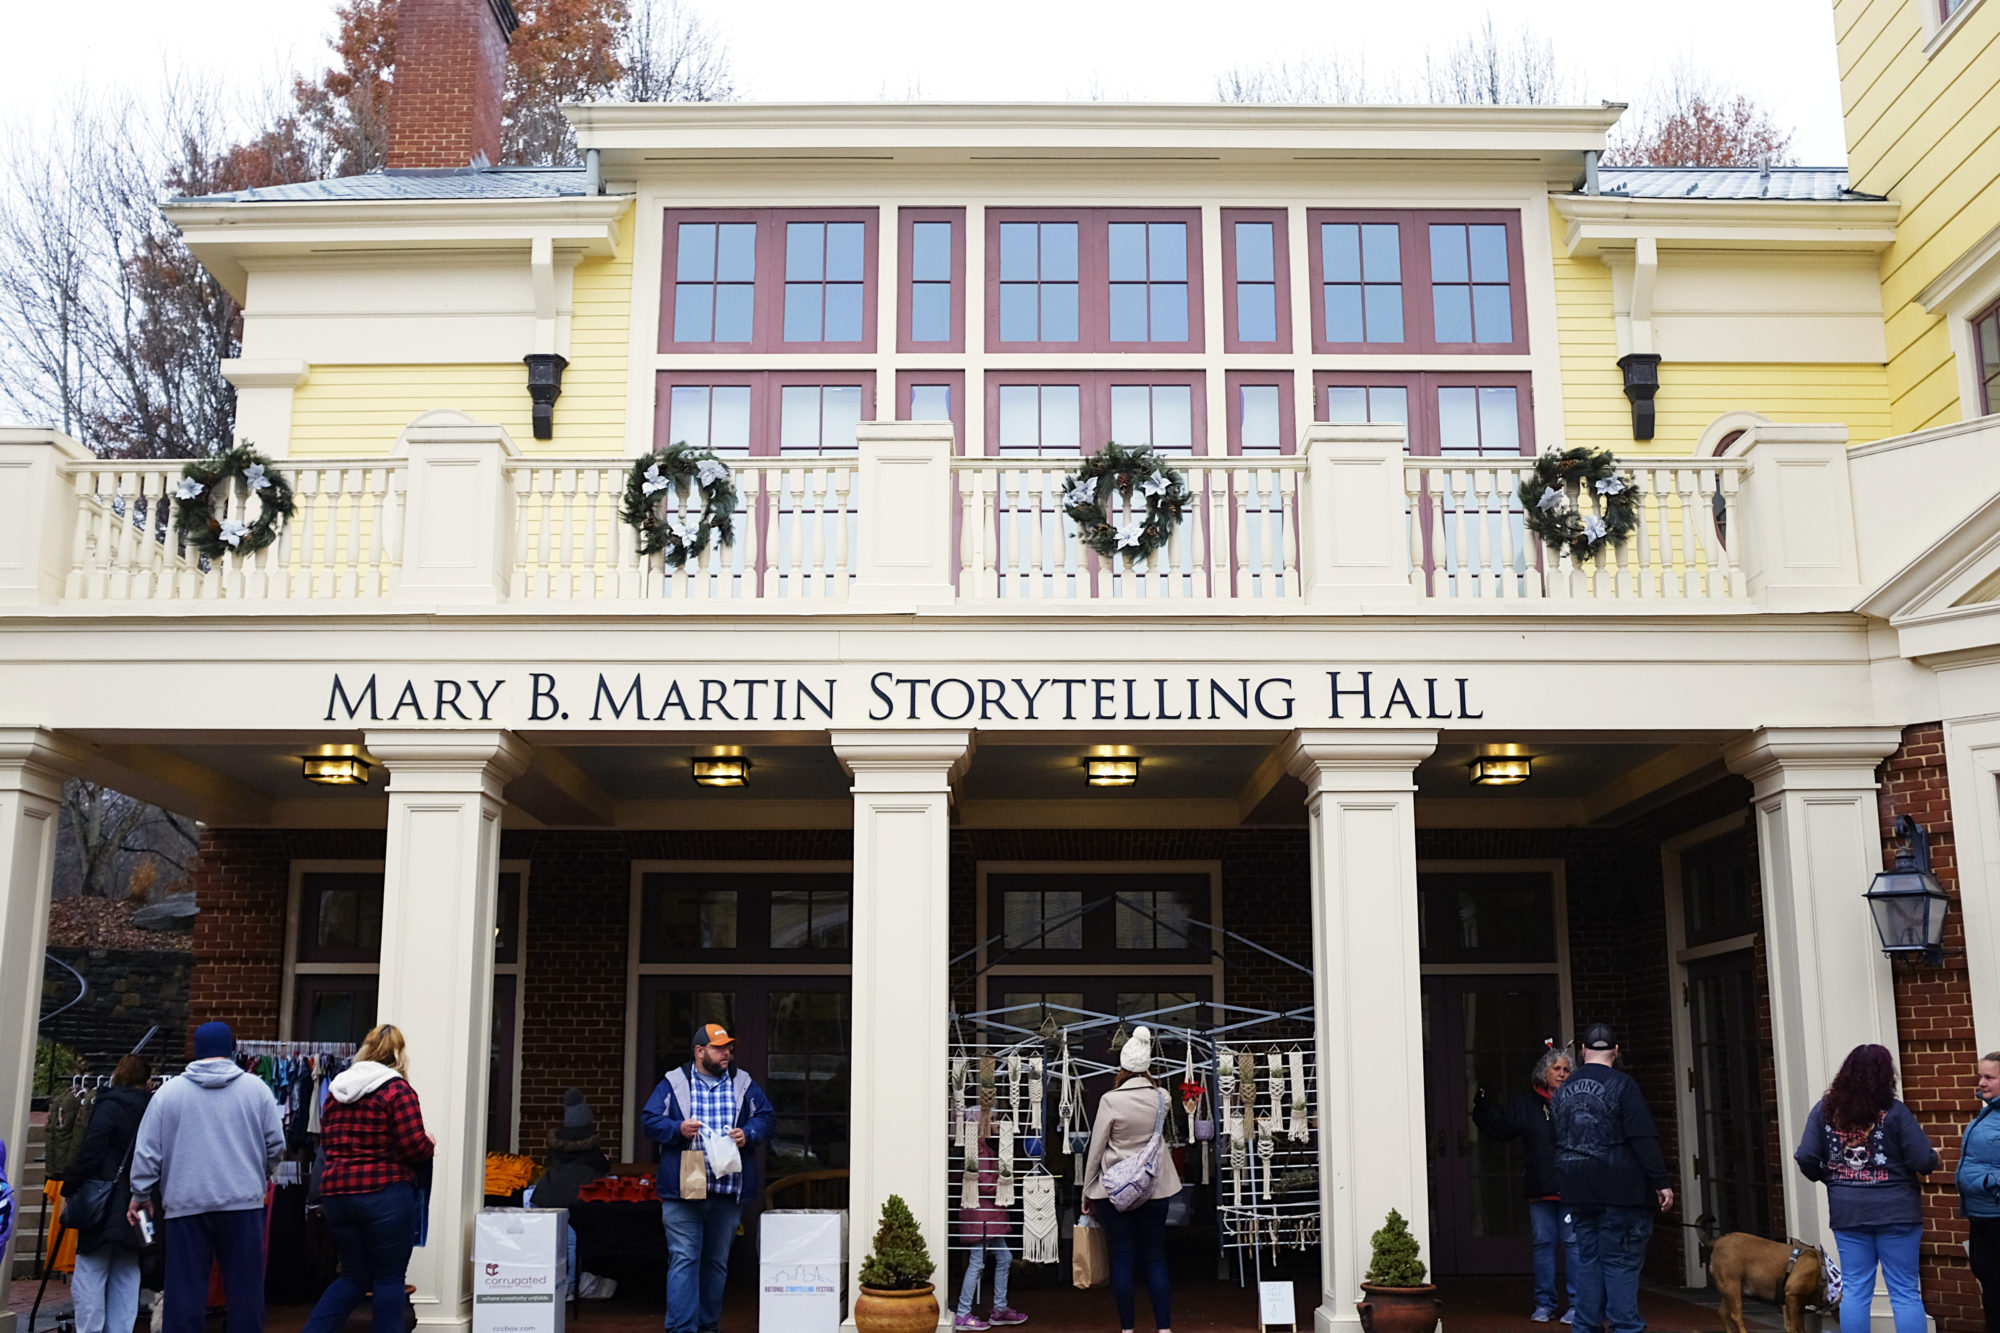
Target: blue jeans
(1549, 1222)
(968, 1290)
(106, 1289)
(374, 1233)
(699, 1232)
(1895, 1248)
(1611, 1249)
(1129, 1237)
(200, 1241)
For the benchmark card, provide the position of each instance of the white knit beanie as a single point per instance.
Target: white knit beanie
(1137, 1056)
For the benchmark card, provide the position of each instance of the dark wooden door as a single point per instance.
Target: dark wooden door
(1733, 1164)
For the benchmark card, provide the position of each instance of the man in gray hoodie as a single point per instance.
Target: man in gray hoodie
(207, 1143)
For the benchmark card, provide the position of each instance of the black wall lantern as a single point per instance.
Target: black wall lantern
(545, 371)
(1642, 381)
(1908, 903)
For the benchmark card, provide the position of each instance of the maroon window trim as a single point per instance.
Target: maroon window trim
(954, 380)
(906, 219)
(765, 387)
(1093, 271)
(1414, 250)
(1986, 325)
(1425, 429)
(1235, 382)
(1094, 401)
(1281, 255)
(767, 327)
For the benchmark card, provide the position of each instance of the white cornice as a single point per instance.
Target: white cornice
(1980, 261)
(1600, 223)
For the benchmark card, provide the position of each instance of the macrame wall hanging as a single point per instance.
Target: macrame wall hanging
(1038, 1219)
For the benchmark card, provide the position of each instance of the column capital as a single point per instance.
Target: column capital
(449, 760)
(1383, 759)
(1778, 759)
(38, 760)
(925, 760)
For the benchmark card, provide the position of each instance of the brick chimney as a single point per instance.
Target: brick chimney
(450, 79)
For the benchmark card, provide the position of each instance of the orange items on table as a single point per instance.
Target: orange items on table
(507, 1173)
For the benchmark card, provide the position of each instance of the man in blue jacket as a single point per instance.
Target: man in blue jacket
(1979, 1187)
(705, 1094)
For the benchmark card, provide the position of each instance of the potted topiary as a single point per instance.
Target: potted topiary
(896, 1292)
(1397, 1299)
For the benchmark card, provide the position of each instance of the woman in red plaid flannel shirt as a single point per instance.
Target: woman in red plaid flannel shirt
(373, 1133)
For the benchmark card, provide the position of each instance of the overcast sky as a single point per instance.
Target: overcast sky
(1159, 50)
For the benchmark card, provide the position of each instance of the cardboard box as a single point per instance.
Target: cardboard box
(520, 1270)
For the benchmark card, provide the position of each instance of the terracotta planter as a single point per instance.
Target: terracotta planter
(1399, 1309)
(914, 1311)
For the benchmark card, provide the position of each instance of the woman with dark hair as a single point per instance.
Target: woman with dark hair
(1978, 1180)
(1869, 1150)
(105, 1287)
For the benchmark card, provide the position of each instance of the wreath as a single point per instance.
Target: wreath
(243, 471)
(1552, 498)
(657, 484)
(1114, 469)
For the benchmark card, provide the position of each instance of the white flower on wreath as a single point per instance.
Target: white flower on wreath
(1552, 500)
(254, 478)
(684, 529)
(1155, 485)
(234, 532)
(1131, 532)
(1082, 491)
(652, 482)
(1612, 485)
(189, 489)
(710, 471)
(1593, 528)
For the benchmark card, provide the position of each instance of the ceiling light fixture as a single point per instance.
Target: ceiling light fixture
(1500, 770)
(1111, 772)
(336, 766)
(722, 771)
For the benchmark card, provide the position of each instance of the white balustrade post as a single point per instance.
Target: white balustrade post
(1798, 542)
(1361, 811)
(439, 895)
(458, 517)
(902, 985)
(905, 500)
(265, 389)
(1356, 547)
(41, 505)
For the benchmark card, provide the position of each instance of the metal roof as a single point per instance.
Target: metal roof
(1811, 184)
(470, 183)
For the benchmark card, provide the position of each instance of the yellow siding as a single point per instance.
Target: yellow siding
(1926, 133)
(359, 410)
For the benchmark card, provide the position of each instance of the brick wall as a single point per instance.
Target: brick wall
(1934, 1024)
(451, 76)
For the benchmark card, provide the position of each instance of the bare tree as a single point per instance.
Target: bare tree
(1486, 67)
(1688, 119)
(113, 845)
(1330, 81)
(671, 54)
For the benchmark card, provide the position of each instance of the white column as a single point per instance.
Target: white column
(906, 501)
(1972, 774)
(33, 763)
(1361, 806)
(1355, 541)
(437, 971)
(1819, 844)
(458, 519)
(1797, 506)
(902, 993)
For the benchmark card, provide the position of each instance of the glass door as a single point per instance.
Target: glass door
(1731, 1161)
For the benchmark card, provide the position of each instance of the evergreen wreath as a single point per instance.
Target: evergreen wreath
(667, 475)
(212, 536)
(1115, 469)
(1550, 501)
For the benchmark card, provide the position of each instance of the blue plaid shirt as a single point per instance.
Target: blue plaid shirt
(715, 1106)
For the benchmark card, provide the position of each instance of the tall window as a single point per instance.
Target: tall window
(1471, 298)
(768, 280)
(1149, 288)
(1038, 282)
(715, 282)
(1405, 281)
(930, 282)
(824, 268)
(1256, 282)
(1093, 280)
(1986, 334)
(1361, 282)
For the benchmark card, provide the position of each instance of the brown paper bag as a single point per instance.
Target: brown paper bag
(694, 1175)
(1090, 1264)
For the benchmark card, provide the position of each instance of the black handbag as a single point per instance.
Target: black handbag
(95, 1209)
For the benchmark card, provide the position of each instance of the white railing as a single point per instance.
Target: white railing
(1467, 539)
(1238, 540)
(796, 532)
(344, 540)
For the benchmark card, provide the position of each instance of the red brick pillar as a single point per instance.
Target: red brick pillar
(450, 83)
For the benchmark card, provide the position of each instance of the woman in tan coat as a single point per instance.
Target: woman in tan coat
(1127, 1118)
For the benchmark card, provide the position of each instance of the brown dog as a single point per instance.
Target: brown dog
(1740, 1263)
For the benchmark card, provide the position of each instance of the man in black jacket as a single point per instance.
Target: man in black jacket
(1527, 1118)
(1613, 1180)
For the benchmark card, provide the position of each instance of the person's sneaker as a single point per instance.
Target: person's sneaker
(1005, 1314)
(1569, 1316)
(1542, 1314)
(970, 1321)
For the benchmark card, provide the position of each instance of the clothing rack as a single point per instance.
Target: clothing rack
(290, 1049)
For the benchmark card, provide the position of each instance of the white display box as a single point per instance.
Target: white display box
(520, 1270)
(799, 1269)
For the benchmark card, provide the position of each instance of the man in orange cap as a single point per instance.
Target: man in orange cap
(695, 1107)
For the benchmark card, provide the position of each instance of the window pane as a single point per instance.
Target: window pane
(1058, 252)
(1167, 251)
(1385, 314)
(1134, 927)
(1059, 313)
(802, 312)
(1062, 416)
(1343, 314)
(1340, 253)
(798, 417)
(1452, 309)
(733, 312)
(1389, 404)
(1173, 418)
(694, 312)
(1057, 905)
(1499, 421)
(840, 426)
(1255, 261)
(1258, 428)
(930, 402)
(736, 252)
(687, 415)
(843, 312)
(1492, 315)
(930, 251)
(930, 312)
(1021, 918)
(729, 421)
(1257, 312)
(1131, 415)
(694, 252)
(1170, 313)
(805, 251)
(1458, 420)
(1017, 252)
(1448, 254)
(1128, 312)
(1381, 252)
(1347, 404)
(1020, 416)
(1489, 253)
(1128, 252)
(844, 261)
(1019, 302)
(791, 918)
